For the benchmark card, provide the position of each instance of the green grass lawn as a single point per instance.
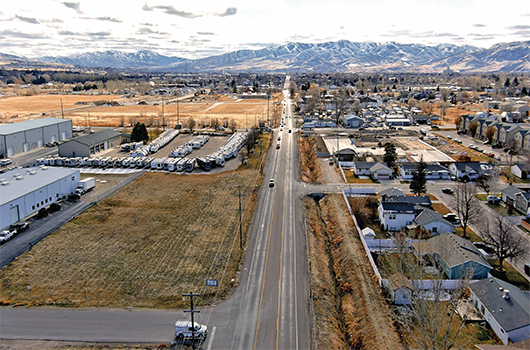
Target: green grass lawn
(483, 196)
(354, 179)
(510, 275)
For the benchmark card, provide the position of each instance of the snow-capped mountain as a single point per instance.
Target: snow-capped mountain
(338, 56)
(115, 59)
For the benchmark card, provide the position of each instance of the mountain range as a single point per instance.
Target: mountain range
(339, 56)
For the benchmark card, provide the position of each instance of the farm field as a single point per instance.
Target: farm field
(144, 246)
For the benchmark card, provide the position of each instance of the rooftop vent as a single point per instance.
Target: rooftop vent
(32, 172)
(4, 183)
(19, 177)
(44, 167)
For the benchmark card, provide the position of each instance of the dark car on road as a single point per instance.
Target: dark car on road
(55, 207)
(19, 227)
(448, 190)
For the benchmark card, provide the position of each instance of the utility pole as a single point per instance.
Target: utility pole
(268, 119)
(240, 217)
(191, 295)
(163, 116)
(62, 110)
(178, 114)
(260, 159)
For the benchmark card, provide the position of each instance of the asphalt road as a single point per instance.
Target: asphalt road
(38, 229)
(270, 308)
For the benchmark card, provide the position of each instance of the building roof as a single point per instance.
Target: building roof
(523, 166)
(398, 208)
(7, 129)
(367, 231)
(467, 167)
(97, 137)
(427, 216)
(512, 313)
(511, 191)
(29, 181)
(346, 151)
(364, 165)
(379, 166)
(392, 191)
(430, 167)
(455, 250)
(421, 200)
(352, 116)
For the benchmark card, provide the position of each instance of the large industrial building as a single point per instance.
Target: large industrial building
(24, 136)
(91, 144)
(25, 191)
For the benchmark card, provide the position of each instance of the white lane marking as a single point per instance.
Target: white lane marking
(210, 342)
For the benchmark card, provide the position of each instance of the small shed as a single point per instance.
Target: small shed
(368, 233)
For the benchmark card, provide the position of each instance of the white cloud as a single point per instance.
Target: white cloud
(251, 24)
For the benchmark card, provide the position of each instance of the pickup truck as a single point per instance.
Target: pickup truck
(184, 329)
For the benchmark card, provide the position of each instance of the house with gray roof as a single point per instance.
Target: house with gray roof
(395, 216)
(362, 168)
(434, 222)
(352, 121)
(424, 201)
(380, 171)
(390, 192)
(91, 144)
(504, 306)
(457, 256)
(473, 170)
(522, 200)
(434, 171)
(521, 170)
(509, 193)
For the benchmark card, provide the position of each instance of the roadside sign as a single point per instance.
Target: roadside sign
(211, 283)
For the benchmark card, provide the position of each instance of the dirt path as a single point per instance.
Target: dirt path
(350, 311)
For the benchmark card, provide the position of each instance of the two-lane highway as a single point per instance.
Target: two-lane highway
(270, 308)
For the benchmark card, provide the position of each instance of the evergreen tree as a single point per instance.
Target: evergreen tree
(507, 83)
(139, 133)
(390, 156)
(418, 184)
(524, 92)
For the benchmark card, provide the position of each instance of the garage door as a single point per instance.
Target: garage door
(10, 151)
(14, 214)
(40, 143)
(26, 146)
(54, 138)
(63, 135)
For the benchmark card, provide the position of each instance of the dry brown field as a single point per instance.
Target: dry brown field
(244, 112)
(24, 106)
(158, 237)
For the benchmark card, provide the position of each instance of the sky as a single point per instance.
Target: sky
(195, 29)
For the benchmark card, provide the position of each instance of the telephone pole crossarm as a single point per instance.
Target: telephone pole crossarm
(193, 312)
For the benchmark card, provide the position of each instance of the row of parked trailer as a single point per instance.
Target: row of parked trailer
(174, 162)
(195, 143)
(144, 150)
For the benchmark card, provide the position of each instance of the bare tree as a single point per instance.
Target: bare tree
(473, 128)
(190, 123)
(467, 205)
(430, 309)
(214, 123)
(292, 88)
(487, 182)
(232, 124)
(501, 235)
(340, 100)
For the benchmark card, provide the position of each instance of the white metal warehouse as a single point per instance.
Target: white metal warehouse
(24, 136)
(25, 191)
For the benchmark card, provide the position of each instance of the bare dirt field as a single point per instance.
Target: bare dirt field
(154, 239)
(350, 312)
(7, 344)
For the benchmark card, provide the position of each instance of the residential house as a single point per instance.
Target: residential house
(519, 138)
(346, 156)
(434, 171)
(457, 256)
(504, 306)
(363, 168)
(521, 170)
(522, 108)
(390, 192)
(522, 200)
(395, 216)
(380, 171)
(507, 133)
(508, 194)
(473, 170)
(526, 142)
(325, 123)
(352, 121)
(434, 222)
(423, 201)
